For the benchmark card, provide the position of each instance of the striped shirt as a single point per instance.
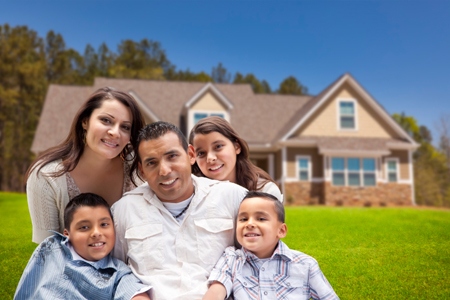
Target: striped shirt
(52, 273)
(288, 274)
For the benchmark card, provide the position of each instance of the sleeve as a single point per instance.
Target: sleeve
(222, 271)
(319, 286)
(43, 204)
(120, 250)
(128, 285)
(271, 188)
(29, 280)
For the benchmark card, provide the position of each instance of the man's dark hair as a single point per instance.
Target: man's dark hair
(154, 131)
(84, 199)
(279, 207)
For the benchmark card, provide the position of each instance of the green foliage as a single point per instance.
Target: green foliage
(22, 88)
(220, 74)
(431, 168)
(291, 86)
(257, 86)
(365, 253)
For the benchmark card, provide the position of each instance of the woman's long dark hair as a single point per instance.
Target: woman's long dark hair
(247, 174)
(71, 149)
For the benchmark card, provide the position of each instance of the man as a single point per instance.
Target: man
(172, 230)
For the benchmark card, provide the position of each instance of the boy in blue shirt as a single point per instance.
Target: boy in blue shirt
(78, 264)
(265, 268)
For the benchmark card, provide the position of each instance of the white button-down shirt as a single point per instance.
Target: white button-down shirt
(176, 258)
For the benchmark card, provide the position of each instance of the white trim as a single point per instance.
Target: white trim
(297, 169)
(192, 112)
(397, 168)
(313, 180)
(361, 171)
(314, 108)
(218, 93)
(370, 101)
(338, 113)
(144, 108)
(411, 176)
(353, 153)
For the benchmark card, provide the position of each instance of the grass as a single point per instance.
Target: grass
(365, 253)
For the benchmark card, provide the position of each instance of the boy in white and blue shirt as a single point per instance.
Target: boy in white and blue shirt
(265, 268)
(78, 264)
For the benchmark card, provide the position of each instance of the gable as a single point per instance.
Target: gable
(325, 121)
(208, 102)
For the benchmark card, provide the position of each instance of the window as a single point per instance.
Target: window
(338, 168)
(303, 168)
(392, 167)
(347, 115)
(369, 172)
(353, 171)
(200, 115)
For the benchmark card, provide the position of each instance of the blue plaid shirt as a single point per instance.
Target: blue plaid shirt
(52, 273)
(288, 274)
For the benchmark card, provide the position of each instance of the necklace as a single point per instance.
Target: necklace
(183, 211)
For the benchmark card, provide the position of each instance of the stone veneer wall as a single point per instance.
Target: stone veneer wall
(384, 194)
(303, 193)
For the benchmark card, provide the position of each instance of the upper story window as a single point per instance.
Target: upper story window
(201, 115)
(347, 114)
(303, 168)
(353, 171)
(392, 169)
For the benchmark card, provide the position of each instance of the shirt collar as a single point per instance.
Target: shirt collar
(105, 263)
(281, 250)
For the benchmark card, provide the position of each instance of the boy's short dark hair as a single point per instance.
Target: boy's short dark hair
(279, 207)
(83, 199)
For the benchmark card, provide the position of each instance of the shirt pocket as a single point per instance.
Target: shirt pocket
(290, 287)
(146, 246)
(213, 236)
(245, 287)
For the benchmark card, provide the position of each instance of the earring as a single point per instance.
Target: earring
(84, 136)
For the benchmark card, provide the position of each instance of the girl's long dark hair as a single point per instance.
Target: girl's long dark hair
(247, 174)
(71, 149)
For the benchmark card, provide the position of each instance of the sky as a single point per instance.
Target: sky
(398, 50)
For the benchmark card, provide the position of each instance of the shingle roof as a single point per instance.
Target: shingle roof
(60, 106)
(327, 144)
(258, 118)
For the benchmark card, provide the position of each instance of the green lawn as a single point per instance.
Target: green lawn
(366, 253)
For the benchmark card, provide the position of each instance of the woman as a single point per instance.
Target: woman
(94, 158)
(222, 154)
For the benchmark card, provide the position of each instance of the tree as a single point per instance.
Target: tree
(22, 89)
(257, 86)
(144, 60)
(431, 173)
(220, 75)
(187, 75)
(291, 86)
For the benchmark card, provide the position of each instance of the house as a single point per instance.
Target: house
(337, 148)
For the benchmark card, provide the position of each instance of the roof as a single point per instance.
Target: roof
(331, 145)
(61, 104)
(263, 120)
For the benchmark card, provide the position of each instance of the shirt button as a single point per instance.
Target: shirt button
(288, 284)
(265, 293)
(263, 269)
(245, 283)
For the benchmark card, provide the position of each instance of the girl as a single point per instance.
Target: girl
(222, 154)
(94, 157)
